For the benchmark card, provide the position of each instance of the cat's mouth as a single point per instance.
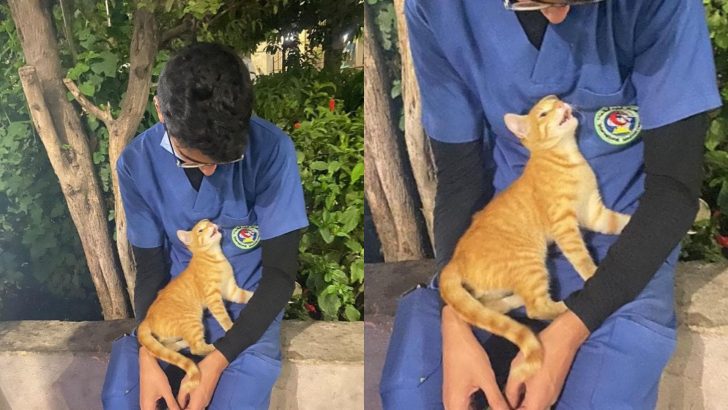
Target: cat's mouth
(215, 229)
(567, 116)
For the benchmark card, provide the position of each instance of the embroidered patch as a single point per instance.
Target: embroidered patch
(618, 125)
(246, 237)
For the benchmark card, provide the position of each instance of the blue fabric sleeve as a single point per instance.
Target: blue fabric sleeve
(450, 110)
(279, 204)
(143, 228)
(674, 72)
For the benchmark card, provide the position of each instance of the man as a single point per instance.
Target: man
(642, 77)
(209, 159)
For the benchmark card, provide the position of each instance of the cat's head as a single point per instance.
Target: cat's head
(204, 236)
(549, 123)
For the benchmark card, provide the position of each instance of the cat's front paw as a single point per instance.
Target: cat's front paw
(226, 325)
(587, 269)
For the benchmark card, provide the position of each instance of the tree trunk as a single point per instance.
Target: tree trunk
(418, 146)
(66, 143)
(143, 50)
(389, 186)
(141, 55)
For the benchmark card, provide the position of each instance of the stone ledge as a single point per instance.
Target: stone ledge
(49, 365)
(694, 379)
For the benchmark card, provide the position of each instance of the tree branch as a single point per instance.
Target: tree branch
(88, 106)
(176, 31)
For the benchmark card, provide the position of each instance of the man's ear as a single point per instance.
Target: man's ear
(158, 108)
(185, 237)
(517, 124)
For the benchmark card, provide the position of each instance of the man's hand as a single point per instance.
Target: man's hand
(561, 340)
(211, 367)
(153, 383)
(466, 367)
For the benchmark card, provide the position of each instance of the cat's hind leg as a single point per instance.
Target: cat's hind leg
(175, 343)
(194, 336)
(533, 288)
(500, 301)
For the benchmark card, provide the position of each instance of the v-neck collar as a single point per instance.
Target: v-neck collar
(553, 61)
(200, 199)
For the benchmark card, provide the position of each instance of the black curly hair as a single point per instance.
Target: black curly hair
(206, 97)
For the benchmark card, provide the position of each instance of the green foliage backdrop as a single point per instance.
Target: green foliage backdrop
(43, 273)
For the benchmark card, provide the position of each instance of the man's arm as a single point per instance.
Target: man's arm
(152, 275)
(463, 187)
(280, 264)
(673, 157)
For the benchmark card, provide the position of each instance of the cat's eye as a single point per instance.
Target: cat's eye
(543, 114)
(199, 230)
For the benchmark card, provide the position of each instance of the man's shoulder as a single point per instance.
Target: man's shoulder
(141, 147)
(267, 138)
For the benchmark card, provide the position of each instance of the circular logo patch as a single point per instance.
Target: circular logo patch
(246, 237)
(617, 125)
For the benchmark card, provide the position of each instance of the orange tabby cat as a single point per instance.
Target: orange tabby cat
(174, 320)
(499, 264)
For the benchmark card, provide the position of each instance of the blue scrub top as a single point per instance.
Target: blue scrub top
(255, 199)
(624, 65)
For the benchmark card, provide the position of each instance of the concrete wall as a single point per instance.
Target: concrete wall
(52, 365)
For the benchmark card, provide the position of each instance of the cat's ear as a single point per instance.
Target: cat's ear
(517, 124)
(185, 237)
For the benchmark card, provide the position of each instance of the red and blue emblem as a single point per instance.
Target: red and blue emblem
(617, 125)
(246, 237)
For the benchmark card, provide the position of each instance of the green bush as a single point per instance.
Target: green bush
(702, 244)
(39, 246)
(330, 149)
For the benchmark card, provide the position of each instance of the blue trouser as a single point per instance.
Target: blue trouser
(617, 368)
(246, 383)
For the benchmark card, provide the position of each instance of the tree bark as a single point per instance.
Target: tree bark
(121, 130)
(66, 143)
(389, 186)
(418, 145)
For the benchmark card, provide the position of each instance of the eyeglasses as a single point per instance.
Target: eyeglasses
(184, 164)
(542, 4)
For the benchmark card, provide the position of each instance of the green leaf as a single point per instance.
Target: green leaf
(319, 165)
(87, 89)
(329, 302)
(357, 172)
(326, 235)
(350, 219)
(357, 271)
(351, 313)
(108, 64)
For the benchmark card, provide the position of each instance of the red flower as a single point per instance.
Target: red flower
(722, 240)
(297, 125)
(311, 308)
(332, 104)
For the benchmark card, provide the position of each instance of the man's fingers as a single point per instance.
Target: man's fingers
(147, 403)
(492, 391)
(457, 401)
(183, 397)
(169, 398)
(514, 392)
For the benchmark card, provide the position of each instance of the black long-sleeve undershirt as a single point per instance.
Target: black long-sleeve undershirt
(279, 267)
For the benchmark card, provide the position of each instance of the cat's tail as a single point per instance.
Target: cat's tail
(158, 350)
(474, 312)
